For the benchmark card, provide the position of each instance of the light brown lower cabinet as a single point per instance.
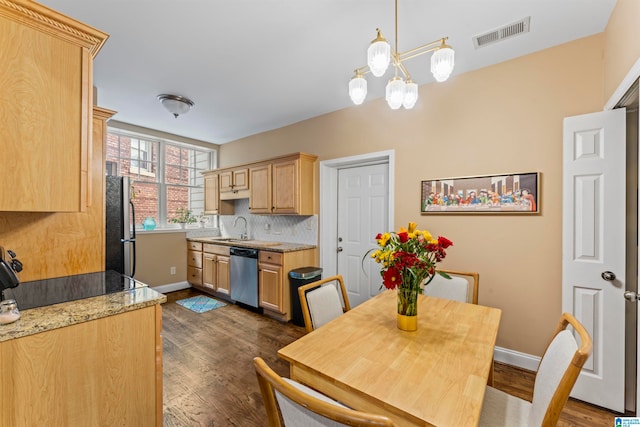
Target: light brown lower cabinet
(212, 272)
(274, 293)
(101, 372)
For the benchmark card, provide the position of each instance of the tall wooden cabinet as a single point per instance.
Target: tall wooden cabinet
(46, 98)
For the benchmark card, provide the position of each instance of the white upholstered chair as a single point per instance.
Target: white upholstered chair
(303, 406)
(461, 287)
(557, 373)
(322, 305)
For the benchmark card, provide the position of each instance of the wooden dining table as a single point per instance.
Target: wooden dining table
(435, 376)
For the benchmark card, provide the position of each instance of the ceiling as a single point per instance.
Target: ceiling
(255, 65)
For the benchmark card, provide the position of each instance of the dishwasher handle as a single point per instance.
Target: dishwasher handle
(244, 252)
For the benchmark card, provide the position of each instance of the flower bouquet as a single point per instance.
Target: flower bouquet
(408, 259)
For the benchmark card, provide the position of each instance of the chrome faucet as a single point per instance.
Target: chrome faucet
(245, 235)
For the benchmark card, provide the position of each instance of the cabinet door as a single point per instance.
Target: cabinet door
(224, 284)
(211, 195)
(209, 271)
(44, 123)
(270, 287)
(260, 192)
(226, 182)
(241, 179)
(285, 187)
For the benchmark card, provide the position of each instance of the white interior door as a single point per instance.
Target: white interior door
(594, 244)
(363, 206)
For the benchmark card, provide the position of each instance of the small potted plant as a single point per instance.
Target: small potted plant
(183, 217)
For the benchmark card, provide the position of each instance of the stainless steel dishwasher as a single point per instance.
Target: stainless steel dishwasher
(244, 275)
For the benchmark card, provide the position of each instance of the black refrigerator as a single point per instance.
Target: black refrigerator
(120, 233)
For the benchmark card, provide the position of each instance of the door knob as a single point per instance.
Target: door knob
(630, 296)
(608, 276)
(339, 248)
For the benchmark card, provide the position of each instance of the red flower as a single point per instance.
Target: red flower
(391, 278)
(444, 242)
(379, 236)
(404, 237)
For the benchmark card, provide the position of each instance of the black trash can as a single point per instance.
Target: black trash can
(298, 277)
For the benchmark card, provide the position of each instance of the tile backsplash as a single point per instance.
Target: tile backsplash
(280, 228)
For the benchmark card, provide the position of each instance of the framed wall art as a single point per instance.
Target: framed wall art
(507, 193)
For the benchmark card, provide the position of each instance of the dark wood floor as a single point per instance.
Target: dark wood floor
(209, 378)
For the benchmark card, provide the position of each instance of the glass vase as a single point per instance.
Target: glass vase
(407, 309)
(149, 223)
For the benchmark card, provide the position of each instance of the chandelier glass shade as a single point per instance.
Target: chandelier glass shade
(410, 95)
(395, 91)
(442, 62)
(399, 91)
(378, 55)
(358, 89)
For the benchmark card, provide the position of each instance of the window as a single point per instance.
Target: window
(166, 175)
(143, 159)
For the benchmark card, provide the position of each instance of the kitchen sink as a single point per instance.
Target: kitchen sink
(245, 241)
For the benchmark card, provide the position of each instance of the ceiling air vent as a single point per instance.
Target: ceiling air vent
(502, 33)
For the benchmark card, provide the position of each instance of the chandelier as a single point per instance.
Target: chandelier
(399, 91)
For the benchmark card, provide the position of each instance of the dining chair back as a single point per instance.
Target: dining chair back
(303, 406)
(557, 373)
(321, 301)
(461, 286)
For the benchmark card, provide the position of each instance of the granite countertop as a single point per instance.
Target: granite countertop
(254, 244)
(41, 319)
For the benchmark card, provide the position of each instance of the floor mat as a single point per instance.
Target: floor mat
(200, 304)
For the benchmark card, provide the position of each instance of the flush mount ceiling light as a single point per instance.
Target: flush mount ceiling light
(175, 104)
(399, 91)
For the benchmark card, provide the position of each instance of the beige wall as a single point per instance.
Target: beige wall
(622, 43)
(157, 252)
(503, 118)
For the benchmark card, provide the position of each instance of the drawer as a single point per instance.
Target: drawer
(194, 275)
(194, 259)
(271, 257)
(194, 246)
(216, 249)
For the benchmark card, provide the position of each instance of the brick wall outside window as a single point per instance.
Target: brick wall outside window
(178, 177)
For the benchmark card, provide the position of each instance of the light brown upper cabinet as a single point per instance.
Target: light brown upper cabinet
(284, 186)
(233, 182)
(212, 203)
(46, 99)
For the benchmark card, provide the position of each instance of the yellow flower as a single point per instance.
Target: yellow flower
(411, 231)
(427, 236)
(382, 241)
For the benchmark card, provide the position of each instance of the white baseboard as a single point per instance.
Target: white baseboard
(171, 287)
(515, 358)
